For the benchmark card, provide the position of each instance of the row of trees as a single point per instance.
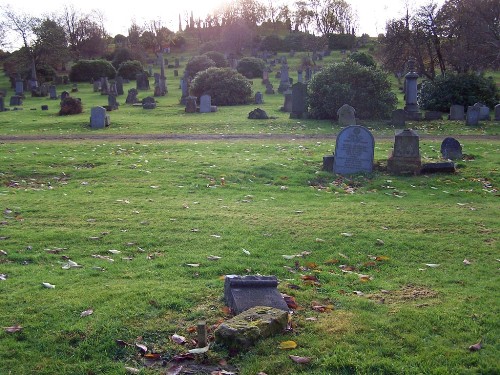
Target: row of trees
(461, 36)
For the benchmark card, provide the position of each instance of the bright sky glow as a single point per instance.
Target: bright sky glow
(372, 14)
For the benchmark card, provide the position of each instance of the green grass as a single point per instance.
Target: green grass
(167, 199)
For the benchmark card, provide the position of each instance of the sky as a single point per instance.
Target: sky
(372, 14)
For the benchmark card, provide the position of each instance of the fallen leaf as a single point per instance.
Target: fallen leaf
(181, 340)
(311, 265)
(246, 251)
(365, 278)
(86, 313)
(379, 242)
(200, 350)
(290, 301)
(48, 285)
(70, 264)
(183, 357)
(288, 257)
(319, 240)
(476, 347)
(332, 261)
(345, 234)
(213, 257)
(467, 262)
(13, 329)
(381, 258)
(112, 251)
(311, 319)
(132, 370)
(142, 348)
(153, 356)
(293, 286)
(3, 277)
(432, 265)
(193, 264)
(287, 345)
(3, 252)
(309, 278)
(298, 359)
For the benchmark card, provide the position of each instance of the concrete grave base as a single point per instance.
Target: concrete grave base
(404, 166)
(245, 329)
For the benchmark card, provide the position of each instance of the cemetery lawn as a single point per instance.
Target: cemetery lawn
(391, 275)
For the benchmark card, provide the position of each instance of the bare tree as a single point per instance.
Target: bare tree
(333, 16)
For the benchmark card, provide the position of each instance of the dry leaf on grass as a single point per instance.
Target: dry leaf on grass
(86, 313)
(142, 348)
(48, 285)
(298, 359)
(13, 329)
(476, 347)
(199, 350)
(287, 345)
(132, 370)
(178, 339)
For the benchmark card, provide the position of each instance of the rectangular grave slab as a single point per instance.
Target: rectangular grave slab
(244, 292)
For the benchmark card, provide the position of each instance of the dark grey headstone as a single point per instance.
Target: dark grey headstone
(287, 104)
(52, 92)
(258, 114)
(16, 100)
(148, 103)
(98, 118)
(45, 107)
(119, 85)
(190, 104)
(258, 98)
(484, 112)
(205, 103)
(142, 81)
(328, 163)
(299, 99)
(346, 115)
(244, 292)
(354, 151)
(451, 149)
(112, 103)
(457, 112)
(497, 112)
(472, 118)
(398, 118)
(104, 86)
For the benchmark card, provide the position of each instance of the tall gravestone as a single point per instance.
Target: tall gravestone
(472, 117)
(19, 87)
(265, 77)
(190, 104)
(142, 81)
(284, 79)
(299, 100)
(346, 115)
(184, 89)
(411, 89)
(287, 104)
(269, 89)
(497, 112)
(205, 103)
(405, 158)
(112, 89)
(457, 112)
(119, 85)
(97, 85)
(354, 151)
(451, 149)
(98, 118)
(300, 76)
(112, 103)
(258, 98)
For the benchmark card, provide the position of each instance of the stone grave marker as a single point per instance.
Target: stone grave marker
(308, 74)
(258, 98)
(411, 89)
(176, 63)
(142, 81)
(132, 96)
(265, 77)
(19, 87)
(405, 157)
(484, 112)
(190, 104)
(97, 85)
(354, 151)
(299, 100)
(244, 292)
(16, 100)
(184, 90)
(64, 95)
(44, 107)
(2, 104)
(398, 118)
(457, 112)
(74, 88)
(300, 76)
(98, 118)
(52, 92)
(451, 149)
(346, 115)
(472, 117)
(112, 103)
(148, 103)
(270, 89)
(176, 73)
(284, 79)
(104, 86)
(119, 85)
(497, 112)
(287, 104)
(205, 103)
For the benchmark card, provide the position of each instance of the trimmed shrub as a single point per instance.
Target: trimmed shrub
(251, 67)
(363, 59)
(272, 43)
(85, 70)
(224, 85)
(300, 41)
(463, 89)
(70, 106)
(130, 69)
(198, 64)
(368, 90)
(341, 41)
(121, 55)
(218, 58)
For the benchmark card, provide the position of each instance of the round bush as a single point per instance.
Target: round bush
(224, 85)
(218, 58)
(85, 70)
(251, 67)
(121, 55)
(198, 64)
(462, 89)
(272, 43)
(70, 106)
(130, 69)
(367, 90)
(363, 59)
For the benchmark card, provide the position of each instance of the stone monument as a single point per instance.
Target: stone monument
(354, 151)
(405, 157)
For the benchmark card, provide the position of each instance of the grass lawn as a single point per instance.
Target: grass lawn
(406, 268)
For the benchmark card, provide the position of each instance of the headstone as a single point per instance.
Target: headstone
(472, 117)
(284, 79)
(142, 81)
(148, 103)
(16, 100)
(112, 89)
(457, 112)
(44, 107)
(98, 118)
(299, 100)
(244, 292)
(398, 118)
(328, 163)
(265, 77)
(405, 157)
(176, 73)
(52, 92)
(176, 63)
(19, 87)
(64, 95)
(190, 104)
(74, 88)
(433, 115)
(184, 90)
(112, 103)
(354, 151)
(2, 104)
(44, 90)
(346, 115)
(451, 149)
(287, 104)
(411, 107)
(104, 86)
(119, 85)
(497, 112)
(205, 103)
(269, 89)
(258, 98)
(308, 74)
(300, 77)
(97, 85)
(132, 96)
(484, 112)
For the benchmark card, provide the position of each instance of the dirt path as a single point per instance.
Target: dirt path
(211, 137)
